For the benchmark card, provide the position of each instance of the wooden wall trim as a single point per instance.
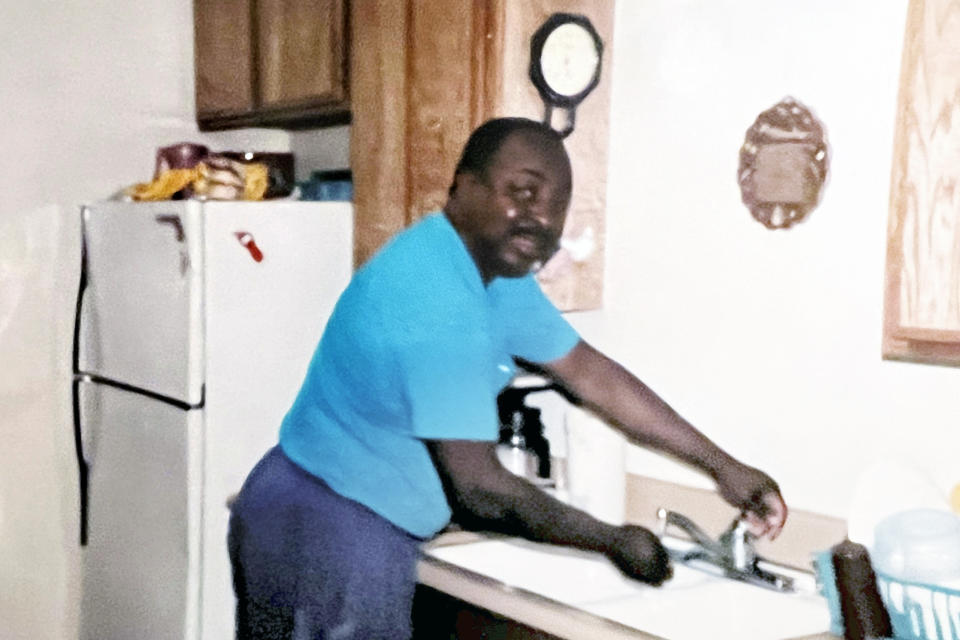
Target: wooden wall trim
(441, 97)
(922, 288)
(378, 145)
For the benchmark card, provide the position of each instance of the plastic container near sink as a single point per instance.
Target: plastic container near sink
(919, 545)
(917, 559)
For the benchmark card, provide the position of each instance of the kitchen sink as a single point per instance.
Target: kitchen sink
(696, 603)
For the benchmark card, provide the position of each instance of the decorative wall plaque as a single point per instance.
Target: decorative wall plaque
(783, 164)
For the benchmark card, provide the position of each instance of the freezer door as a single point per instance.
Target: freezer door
(274, 273)
(141, 566)
(141, 309)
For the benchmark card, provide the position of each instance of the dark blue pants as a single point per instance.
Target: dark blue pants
(309, 564)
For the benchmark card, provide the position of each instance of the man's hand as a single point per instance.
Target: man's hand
(638, 554)
(756, 495)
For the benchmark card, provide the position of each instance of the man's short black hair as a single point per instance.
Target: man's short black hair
(487, 138)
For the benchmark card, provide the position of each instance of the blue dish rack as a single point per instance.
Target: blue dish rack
(920, 611)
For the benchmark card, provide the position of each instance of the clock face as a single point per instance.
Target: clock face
(565, 59)
(569, 59)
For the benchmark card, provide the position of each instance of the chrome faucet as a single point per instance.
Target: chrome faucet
(737, 544)
(732, 552)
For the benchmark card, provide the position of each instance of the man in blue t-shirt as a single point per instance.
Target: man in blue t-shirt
(395, 426)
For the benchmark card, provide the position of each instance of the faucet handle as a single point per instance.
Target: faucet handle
(739, 529)
(737, 542)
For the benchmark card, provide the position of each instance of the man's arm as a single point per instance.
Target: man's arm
(484, 495)
(613, 393)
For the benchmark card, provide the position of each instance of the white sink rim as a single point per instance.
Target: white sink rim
(594, 614)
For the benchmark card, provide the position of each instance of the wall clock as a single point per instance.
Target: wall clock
(565, 61)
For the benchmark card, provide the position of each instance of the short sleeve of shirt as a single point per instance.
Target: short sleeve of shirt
(448, 383)
(532, 327)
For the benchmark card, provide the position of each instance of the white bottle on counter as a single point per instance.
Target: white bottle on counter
(596, 477)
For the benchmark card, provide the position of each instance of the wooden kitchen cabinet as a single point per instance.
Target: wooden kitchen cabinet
(271, 63)
(922, 300)
(439, 616)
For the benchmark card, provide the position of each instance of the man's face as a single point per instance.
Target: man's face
(511, 217)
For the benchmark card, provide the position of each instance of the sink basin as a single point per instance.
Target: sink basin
(693, 605)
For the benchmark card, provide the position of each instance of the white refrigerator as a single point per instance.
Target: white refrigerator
(195, 324)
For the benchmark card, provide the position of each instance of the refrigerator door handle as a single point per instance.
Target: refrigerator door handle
(81, 291)
(174, 221)
(82, 465)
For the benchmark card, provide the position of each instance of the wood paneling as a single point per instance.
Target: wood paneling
(419, 91)
(444, 92)
(378, 158)
(922, 302)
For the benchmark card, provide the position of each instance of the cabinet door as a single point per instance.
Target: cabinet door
(301, 52)
(439, 615)
(922, 315)
(223, 57)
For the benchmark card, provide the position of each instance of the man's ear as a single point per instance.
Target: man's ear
(453, 185)
(467, 179)
(462, 193)
(462, 183)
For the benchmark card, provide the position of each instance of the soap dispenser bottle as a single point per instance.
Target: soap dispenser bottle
(522, 447)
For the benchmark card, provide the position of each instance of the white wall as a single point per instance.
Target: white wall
(88, 90)
(769, 341)
(327, 148)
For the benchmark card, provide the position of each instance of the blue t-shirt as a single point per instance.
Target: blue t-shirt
(416, 348)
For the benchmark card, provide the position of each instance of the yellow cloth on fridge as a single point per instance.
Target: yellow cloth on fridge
(216, 179)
